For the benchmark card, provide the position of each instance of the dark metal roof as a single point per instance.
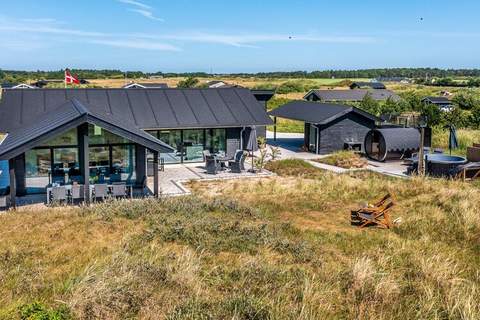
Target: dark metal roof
(146, 108)
(69, 115)
(145, 85)
(263, 95)
(315, 112)
(352, 95)
(438, 100)
(400, 139)
(363, 84)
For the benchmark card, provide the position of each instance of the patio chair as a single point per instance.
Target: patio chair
(58, 194)
(77, 192)
(119, 191)
(100, 191)
(206, 153)
(115, 177)
(377, 214)
(238, 164)
(212, 165)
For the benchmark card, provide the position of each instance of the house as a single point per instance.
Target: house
(217, 84)
(17, 86)
(443, 103)
(328, 127)
(356, 95)
(367, 85)
(143, 85)
(404, 80)
(82, 135)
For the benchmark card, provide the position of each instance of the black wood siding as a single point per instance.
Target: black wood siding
(347, 128)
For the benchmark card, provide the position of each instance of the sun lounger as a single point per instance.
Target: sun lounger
(376, 214)
(469, 171)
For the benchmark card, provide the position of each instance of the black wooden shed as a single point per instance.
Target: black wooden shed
(329, 127)
(391, 143)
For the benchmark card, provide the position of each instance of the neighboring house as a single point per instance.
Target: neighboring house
(68, 135)
(135, 85)
(393, 79)
(367, 85)
(17, 86)
(217, 84)
(443, 103)
(356, 95)
(328, 127)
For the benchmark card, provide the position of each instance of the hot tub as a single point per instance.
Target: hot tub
(442, 165)
(438, 165)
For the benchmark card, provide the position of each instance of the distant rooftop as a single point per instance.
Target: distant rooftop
(145, 85)
(350, 95)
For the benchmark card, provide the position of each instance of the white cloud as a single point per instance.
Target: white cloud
(146, 14)
(135, 3)
(51, 31)
(136, 44)
(252, 40)
(142, 9)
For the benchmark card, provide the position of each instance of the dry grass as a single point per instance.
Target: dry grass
(345, 159)
(274, 248)
(466, 138)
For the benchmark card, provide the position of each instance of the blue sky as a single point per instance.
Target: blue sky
(238, 36)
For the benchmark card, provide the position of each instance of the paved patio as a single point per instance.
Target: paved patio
(290, 146)
(174, 177)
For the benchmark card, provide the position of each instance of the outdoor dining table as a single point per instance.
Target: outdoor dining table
(68, 188)
(223, 160)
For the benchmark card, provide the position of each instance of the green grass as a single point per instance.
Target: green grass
(466, 138)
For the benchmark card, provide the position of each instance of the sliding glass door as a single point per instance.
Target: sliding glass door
(189, 144)
(193, 145)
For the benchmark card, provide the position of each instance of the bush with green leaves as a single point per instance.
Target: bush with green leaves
(189, 82)
(38, 311)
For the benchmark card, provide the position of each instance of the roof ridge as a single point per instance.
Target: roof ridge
(79, 106)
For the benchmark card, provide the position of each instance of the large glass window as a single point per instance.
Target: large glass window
(99, 163)
(4, 177)
(98, 135)
(68, 138)
(66, 168)
(217, 140)
(193, 145)
(38, 164)
(174, 139)
(123, 163)
(189, 144)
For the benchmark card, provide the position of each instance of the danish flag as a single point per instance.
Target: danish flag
(69, 79)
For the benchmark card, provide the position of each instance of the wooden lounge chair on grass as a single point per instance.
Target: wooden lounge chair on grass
(376, 214)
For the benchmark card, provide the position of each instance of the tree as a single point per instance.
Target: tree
(189, 82)
(432, 114)
(466, 100)
(370, 105)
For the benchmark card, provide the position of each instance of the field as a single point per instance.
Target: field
(275, 248)
(245, 82)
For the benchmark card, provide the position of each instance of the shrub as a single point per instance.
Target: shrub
(290, 87)
(345, 159)
(189, 82)
(38, 311)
